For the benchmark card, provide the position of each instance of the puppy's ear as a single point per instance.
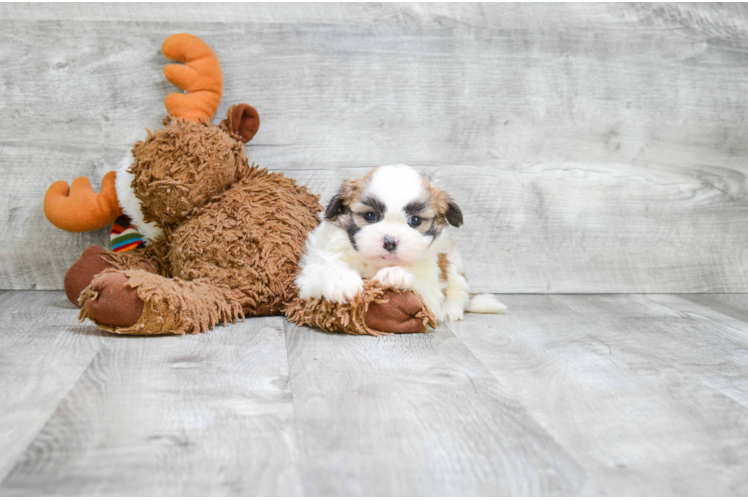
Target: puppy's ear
(454, 214)
(445, 206)
(341, 201)
(335, 207)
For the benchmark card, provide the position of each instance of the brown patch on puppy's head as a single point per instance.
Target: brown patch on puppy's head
(349, 193)
(444, 210)
(339, 210)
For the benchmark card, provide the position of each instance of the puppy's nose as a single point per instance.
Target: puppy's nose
(390, 243)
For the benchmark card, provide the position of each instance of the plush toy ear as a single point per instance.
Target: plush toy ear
(242, 120)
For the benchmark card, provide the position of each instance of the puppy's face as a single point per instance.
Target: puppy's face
(392, 215)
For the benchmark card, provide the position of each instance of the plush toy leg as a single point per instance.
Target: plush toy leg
(143, 303)
(91, 262)
(375, 311)
(112, 302)
(94, 260)
(399, 312)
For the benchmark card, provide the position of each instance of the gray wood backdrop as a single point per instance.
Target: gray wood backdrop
(592, 147)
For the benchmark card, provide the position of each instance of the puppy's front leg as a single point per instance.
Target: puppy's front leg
(335, 282)
(395, 277)
(456, 293)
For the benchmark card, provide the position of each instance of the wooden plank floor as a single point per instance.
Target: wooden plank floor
(565, 394)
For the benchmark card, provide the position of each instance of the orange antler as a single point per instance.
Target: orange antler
(78, 208)
(200, 76)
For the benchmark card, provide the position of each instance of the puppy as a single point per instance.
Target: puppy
(390, 226)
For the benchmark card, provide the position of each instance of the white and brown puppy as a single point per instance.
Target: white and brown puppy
(390, 226)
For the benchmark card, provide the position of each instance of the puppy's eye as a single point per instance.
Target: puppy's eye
(370, 216)
(414, 221)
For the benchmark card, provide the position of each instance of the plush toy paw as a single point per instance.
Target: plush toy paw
(342, 287)
(113, 302)
(397, 315)
(395, 277)
(91, 262)
(375, 311)
(453, 311)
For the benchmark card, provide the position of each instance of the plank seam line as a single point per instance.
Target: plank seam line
(539, 425)
(51, 414)
(301, 445)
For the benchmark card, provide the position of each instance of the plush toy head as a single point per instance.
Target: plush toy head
(182, 165)
(178, 167)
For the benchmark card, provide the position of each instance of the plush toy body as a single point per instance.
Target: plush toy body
(225, 237)
(225, 267)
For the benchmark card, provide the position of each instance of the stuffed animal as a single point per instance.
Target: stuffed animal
(221, 238)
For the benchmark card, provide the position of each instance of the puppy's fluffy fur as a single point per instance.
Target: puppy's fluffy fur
(390, 226)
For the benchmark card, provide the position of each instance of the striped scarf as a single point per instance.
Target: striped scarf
(124, 236)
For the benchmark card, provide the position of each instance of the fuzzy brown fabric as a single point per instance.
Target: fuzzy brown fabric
(170, 305)
(181, 166)
(249, 239)
(142, 259)
(352, 317)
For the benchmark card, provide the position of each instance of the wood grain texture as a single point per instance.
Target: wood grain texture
(647, 398)
(734, 305)
(43, 353)
(414, 415)
(594, 147)
(587, 394)
(449, 14)
(195, 415)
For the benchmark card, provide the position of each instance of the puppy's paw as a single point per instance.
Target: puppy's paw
(453, 311)
(342, 287)
(395, 277)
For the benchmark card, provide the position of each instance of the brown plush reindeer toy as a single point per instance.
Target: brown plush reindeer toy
(224, 238)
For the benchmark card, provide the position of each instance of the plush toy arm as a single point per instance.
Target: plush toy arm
(375, 311)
